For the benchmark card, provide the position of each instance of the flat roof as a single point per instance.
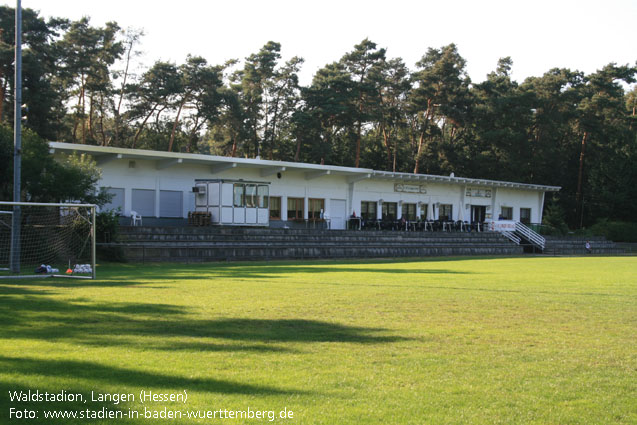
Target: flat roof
(104, 154)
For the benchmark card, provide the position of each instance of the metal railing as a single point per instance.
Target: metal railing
(512, 237)
(528, 234)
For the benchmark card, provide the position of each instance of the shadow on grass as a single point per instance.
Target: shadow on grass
(132, 275)
(115, 376)
(30, 313)
(9, 387)
(22, 305)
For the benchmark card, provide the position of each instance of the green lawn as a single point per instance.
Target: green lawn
(442, 341)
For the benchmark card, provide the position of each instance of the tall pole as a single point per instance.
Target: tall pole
(17, 142)
(93, 235)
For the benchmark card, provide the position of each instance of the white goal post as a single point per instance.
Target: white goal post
(47, 240)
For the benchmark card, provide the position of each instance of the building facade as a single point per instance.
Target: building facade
(159, 187)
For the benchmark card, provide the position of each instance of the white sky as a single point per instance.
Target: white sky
(538, 35)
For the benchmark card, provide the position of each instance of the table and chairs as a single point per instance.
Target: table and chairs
(359, 223)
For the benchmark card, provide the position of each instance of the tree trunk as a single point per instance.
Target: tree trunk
(78, 115)
(193, 134)
(420, 143)
(172, 133)
(83, 96)
(297, 154)
(3, 91)
(358, 142)
(234, 145)
(386, 137)
(141, 127)
(395, 153)
(580, 183)
(102, 132)
(157, 117)
(421, 140)
(91, 112)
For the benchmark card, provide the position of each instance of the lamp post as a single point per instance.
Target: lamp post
(17, 143)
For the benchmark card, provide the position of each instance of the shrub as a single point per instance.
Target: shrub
(553, 222)
(618, 231)
(107, 227)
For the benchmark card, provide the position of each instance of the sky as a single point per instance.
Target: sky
(538, 35)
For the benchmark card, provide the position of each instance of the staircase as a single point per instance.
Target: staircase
(533, 237)
(520, 234)
(190, 244)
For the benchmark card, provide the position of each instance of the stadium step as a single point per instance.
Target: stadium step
(197, 244)
(576, 245)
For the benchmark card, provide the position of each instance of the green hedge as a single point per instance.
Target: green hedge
(617, 231)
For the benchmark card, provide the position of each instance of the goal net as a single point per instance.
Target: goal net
(38, 239)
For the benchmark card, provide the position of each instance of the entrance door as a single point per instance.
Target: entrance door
(478, 213)
(338, 213)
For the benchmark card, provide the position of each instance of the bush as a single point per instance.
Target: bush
(553, 222)
(107, 226)
(107, 229)
(617, 231)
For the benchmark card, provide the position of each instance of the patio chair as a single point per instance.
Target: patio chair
(135, 218)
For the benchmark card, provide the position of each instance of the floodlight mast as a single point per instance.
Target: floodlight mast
(17, 142)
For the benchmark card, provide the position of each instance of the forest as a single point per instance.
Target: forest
(563, 128)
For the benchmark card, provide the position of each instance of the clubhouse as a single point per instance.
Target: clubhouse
(166, 188)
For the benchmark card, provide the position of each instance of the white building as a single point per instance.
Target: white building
(159, 187)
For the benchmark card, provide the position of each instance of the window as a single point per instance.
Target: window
(423, 212)
(143, 202)
(275, 208)
(239, 195)
(525, 215)
(263, 193)
(506, 213)
(295, 209)
(389, 210)
(117, 201)
(409, 212)
(446, 212)
(316, 208)
(170, 203)
(368, 210)
(251, 195)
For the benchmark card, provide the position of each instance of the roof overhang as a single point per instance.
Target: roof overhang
(218, 164)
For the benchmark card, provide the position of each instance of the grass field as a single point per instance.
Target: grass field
(443, 341)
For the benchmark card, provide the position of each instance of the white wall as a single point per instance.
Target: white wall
(517, 199)
(181, 177)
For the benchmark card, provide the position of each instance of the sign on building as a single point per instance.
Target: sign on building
(410, 188)
(478, 192)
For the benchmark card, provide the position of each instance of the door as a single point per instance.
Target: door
(478, 213)
(337, 213)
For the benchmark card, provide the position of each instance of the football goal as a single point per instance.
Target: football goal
(47, 240)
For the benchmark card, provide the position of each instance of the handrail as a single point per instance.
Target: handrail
(530, 235)
(512, 237)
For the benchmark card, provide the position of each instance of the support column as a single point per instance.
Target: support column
(284, 208)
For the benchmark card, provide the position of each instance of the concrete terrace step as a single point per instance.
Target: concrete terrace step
(275, 234)
(309, 239)
(223, 253)
(188, 244)
(575, 245)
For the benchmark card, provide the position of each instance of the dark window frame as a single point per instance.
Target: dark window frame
(298, 209)
(274, 200)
